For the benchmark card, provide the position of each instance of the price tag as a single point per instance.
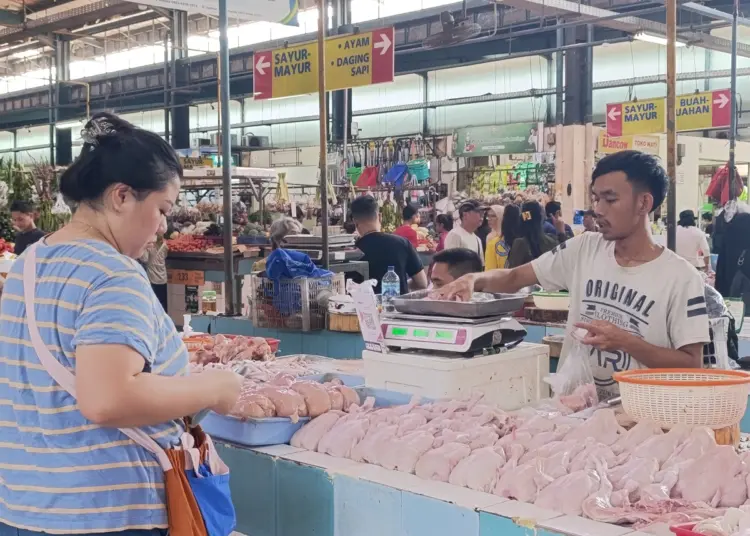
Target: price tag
(339, 256)
(194, 278)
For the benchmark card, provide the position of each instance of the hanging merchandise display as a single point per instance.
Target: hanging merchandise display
(719, 187)
(282, 190)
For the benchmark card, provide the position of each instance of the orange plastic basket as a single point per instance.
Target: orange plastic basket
(696, 397)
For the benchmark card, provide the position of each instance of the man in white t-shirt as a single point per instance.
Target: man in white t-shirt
(642, 305)
(462, 235)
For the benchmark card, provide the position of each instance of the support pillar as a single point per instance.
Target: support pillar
(61, 142)
(341, 101)
(180, 77)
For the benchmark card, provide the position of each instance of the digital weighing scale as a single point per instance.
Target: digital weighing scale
(341, 248)
(452, 337)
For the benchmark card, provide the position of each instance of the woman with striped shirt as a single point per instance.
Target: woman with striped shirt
(65, 468)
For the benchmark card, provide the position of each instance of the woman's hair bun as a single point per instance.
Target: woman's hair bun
(117, 152)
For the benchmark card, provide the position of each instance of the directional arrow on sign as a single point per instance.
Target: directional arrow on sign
(613, 114)
(262, 65)
(384, 44)
(722, 100)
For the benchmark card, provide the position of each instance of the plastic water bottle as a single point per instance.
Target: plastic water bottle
(390, 287)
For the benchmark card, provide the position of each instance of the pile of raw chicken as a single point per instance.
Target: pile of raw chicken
(592, 467)
(225, 350)
(285, 396)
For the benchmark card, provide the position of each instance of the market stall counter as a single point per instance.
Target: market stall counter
(287, 491)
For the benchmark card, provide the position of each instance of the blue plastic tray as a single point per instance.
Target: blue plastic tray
(252, 432)
(350, 380)
(385, 399)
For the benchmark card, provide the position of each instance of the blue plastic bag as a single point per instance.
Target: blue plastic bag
(214, 501)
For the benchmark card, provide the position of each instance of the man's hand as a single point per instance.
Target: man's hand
(604, 336)
(459, 290)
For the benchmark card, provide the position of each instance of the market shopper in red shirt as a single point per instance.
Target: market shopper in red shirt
(411, 217)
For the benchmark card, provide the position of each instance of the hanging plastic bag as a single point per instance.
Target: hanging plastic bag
(60, 207)
(573, 383)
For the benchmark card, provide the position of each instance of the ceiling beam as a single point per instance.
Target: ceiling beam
(714, 13)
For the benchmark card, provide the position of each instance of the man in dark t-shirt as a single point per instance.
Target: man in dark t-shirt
(383, 250)
(22, 215)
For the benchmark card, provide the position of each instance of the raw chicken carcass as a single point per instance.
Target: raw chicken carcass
(706, 477)
(637, 435)
(288, 403)
(437, 464)
(253, 406)
(373, 444)
(340, 440)
(584, 396)
(567, 494)
(309, 435)
(700, 440)
(662, 446)
(337, 399)
(601, 426)
(403, 453)
(349, 394)
(642, 471)
(479, 471)
(316, 397)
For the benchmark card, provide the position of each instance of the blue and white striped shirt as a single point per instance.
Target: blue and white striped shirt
(59, 473)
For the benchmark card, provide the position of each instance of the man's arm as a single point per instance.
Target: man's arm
(418, 281)
(605, 336)
(690, 356)
(506, 280)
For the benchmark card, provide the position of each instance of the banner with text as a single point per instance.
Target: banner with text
(351, 61)
(695, 111)
(610, 144)
(500, 139)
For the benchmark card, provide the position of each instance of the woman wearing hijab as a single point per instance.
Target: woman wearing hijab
(496, 253)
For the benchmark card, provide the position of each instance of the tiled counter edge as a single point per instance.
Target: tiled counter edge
(286, 491)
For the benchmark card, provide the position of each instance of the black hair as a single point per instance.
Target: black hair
(707, 216)
(642, 170)
(364, 208)
(117, 152)
(25, 207)
(589, 212)
(531, 226)
(552, 208)
(687, 219)
(349, 227)
(409, 212)
(446, 220)
(510, 227)
(460, 261)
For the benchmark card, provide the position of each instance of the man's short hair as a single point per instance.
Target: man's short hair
(364, 208)
(552, 208)
(26, 207)
(642, 170)
(589, 212)
(460, 261)
(707, 216)
(409, 212)
(471, 205)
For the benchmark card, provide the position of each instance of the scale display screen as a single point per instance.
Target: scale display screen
(435, 335)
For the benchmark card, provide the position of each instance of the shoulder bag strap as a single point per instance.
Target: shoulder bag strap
(59, 373)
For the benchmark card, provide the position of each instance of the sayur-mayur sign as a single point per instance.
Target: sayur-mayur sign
(696, 111)
(351, 61)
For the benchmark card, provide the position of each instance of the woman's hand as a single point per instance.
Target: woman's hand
(226, 385)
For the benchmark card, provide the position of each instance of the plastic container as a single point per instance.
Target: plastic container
(552, 301)
(251, 432)
(695, 397)
(511, 379)
(386, 399)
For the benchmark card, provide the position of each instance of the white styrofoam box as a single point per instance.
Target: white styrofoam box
(511, 379)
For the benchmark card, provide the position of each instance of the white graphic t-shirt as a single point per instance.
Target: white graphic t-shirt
(662, 301)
